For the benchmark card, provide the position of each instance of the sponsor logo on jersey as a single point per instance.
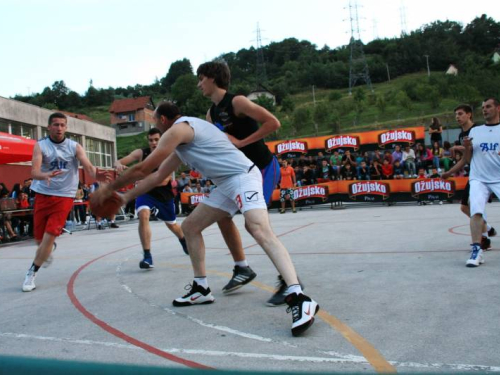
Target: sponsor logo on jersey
(291, 146)
(369, 188)
(310, 191)
(433, 185)
(342, 141)
(486, 147)
(396, 136)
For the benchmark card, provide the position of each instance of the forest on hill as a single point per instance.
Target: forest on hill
(293, 67)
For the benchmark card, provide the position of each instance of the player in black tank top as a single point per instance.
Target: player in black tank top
(239, 117)
(162, 193)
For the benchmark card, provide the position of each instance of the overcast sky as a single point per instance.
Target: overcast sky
(127, 42)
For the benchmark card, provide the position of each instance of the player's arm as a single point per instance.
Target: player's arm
(134, 156)
(177, 134)
(467, 143)
(164, 173)
(36, 166)
(98, 174)
(208, 117)
(456, 168)
(269, 123)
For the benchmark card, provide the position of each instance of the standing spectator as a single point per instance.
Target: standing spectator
(387, 170)
(79, 207)
(435, 131)
(446, 157)
(287, 183)
(409, 162)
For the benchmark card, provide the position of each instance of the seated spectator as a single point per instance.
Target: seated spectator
(325, 172)
(388, 157)
(207, 189)
(399, 171)
(347, 172)
(16, 191)
(336, 163)
(302, 162)
(358, 158)
(197, 188)
(435, 173)
(194, 176)
(348, 158)
(377, 156)
(437, 154)
(376, 170)
(319, 159)
(299, 175)
(187, 188)
(23, 203)
(423, 156)
(4, 192)
(409, 162)
(309, 177)
(363, 171)
(458, 157)
(446, 158)
(10, 235)
(387, 170)
(397, 154)
(421, 173)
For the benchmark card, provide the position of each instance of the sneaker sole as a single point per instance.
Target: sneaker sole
(187, 303)
(227, 291)
(28, 290)
(145, 266)
(297, 331)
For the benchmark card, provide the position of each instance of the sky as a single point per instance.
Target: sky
(127, 42)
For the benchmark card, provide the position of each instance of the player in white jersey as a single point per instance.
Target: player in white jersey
(55, 173)
(482, 148)
(239, 187)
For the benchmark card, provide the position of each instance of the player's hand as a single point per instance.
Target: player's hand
(467, 142)
(103, 175)
(120, 167)
(53, 174)
(235, 141)
(445, 175)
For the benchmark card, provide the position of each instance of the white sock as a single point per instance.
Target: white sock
(488, 227)
(241, 263)
(202, 281)
(295, 288)
(485, 234)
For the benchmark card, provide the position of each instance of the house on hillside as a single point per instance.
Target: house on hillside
(77, 115)
(132, 115)
(452, 69)
(262, 91)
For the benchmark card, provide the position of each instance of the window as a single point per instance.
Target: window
(100, 153)
(4, 126)
(24, 130)
(131, 117)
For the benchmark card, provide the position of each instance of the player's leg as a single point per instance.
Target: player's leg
(479, 193)
(166, 212)
(143, 210)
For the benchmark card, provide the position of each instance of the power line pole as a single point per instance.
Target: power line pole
(358, 67)
(402, 14)
(428, 69)
(260, 71)
(314, 96)
(388, 72)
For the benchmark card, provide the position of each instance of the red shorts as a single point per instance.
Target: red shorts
(50, 214)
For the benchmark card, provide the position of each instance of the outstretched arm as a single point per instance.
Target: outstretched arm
(99, 175)
(121, 165)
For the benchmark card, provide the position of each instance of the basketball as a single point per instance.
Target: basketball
(110, 206)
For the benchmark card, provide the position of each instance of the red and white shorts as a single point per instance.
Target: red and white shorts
(50, 214)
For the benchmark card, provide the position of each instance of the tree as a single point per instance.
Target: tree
(321, 114)
(177, 69)
(287, 105)
(265, 102)
(184, 88)
(301, 119)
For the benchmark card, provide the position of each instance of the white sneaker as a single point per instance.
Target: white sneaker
(29, 281)
(476, 257)
(303, 310)
(196, 296)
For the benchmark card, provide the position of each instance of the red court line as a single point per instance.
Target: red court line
(452, 230)
(116, 332)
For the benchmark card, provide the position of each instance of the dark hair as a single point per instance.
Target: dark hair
(57, 115)
(464, 107)
(154, 131)
(446, 145)
(217, 70)
(167, 109)
(495, 101)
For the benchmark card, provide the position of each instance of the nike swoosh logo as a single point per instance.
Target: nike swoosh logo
(308, 312)
(195, 298)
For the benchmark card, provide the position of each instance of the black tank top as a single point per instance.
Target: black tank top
(161, 193)
(223, 117)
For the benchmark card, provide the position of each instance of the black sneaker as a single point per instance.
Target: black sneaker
(114, 225)
(184, 245)
(492, 232)
(278, 297)
(241, 276)
(196, 296)
(146, 263)
(303, 310)
(485, 243)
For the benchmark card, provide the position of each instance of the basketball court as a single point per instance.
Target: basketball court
(394, 292)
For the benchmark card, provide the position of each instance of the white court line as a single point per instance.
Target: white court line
(334, 357)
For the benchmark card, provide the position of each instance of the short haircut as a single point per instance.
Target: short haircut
(464, 107)
(218, 70)
(154, 131)
(57, 115)
(495, 101)
(167, 109)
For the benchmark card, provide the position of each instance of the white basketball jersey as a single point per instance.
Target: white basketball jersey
(211, 152)
(485, 164)
(58, 156)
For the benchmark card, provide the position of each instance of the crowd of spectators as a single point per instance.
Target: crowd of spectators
(21, 197)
